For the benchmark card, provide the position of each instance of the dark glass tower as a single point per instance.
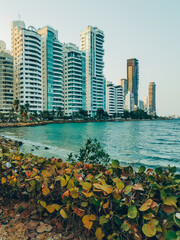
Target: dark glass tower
(133, 77)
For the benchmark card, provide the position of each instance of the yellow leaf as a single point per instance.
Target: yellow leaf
(106, 205)
(120, 185)
(99, 234)
(63, 182)
(88, 194)
(43, 203)
(146, 205)
(50, 208)
(56, 206)
(86, 221)
(63, 213)
(74, 192)
(86, 185)
(46, 191)
(3, 180)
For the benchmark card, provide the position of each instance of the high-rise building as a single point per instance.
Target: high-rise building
(129, 102)
(6, 79)
(145, 99)
(119, 99)
(124, 84)
(133, 78)
(152, 98)
(92, 40)
(114, 99)
(110, 98)
(141, 104)
(26, 51)
(74, 79)
(52, 69)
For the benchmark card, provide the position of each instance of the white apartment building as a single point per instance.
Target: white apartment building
(110, 99)
(74, 79)
(92, 40)
(114, 99)
(52, 69)
(6, 79)
(119, 99)
(26, 50)
(129, 102)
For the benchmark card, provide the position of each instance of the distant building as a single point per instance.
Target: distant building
(92, 40)
(145, 103)
(124, 84)
(129, 102)
(110, 99)
(141, 105)
(119, 99)
(74, 79)
(52, 69)
(152, 98)
(133, 78)
(26, 50)
(6, 79)
(114, 99)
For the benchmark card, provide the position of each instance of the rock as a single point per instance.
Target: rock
(46, 148)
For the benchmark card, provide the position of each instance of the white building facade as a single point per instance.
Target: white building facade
(52, 69)
(74, 79)
(110, 98)
(6, 79)
(119, 99)
(26, 51)
(92, 40)
(129, 102)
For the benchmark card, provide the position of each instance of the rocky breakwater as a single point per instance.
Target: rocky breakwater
(9, 144)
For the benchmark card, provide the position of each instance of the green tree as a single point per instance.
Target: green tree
(16, 105)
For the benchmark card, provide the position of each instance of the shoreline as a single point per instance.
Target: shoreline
(61, 121)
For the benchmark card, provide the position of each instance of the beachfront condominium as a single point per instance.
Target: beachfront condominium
(152, 98)
(26, 51)
(6, 79)
(119, 99)
(110, 98)
(129, 102)
(74, 79)
(92, 40)
(124, 85)
(52, 69)
(114, 99)
(133, 78)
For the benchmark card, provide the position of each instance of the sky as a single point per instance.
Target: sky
(148, 30)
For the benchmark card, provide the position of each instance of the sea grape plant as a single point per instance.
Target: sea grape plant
(99, 202)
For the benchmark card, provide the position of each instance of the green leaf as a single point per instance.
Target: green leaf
(170, 200)
(159, 170)
(115, 163)
(127, 189)
(177, 220)
(103, 220)
(132, 211)
(142, 169)
(171, 235)
(149, 229)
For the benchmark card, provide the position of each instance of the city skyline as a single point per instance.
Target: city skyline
(154, 43)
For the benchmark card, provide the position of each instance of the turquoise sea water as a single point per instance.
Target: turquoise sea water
(150, 143)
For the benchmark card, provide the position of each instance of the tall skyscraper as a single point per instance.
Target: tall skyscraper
(52, 69)
(74, 79)
(6, 79)
(92, 40)
(133, 78)
(152, 98)
(124, 84)
(26, 50)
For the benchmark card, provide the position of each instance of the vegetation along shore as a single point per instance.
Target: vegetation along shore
(89, 196)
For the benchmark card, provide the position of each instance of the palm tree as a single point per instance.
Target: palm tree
(16, 105)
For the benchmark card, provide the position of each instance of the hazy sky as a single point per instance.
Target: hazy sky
(148, 30)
